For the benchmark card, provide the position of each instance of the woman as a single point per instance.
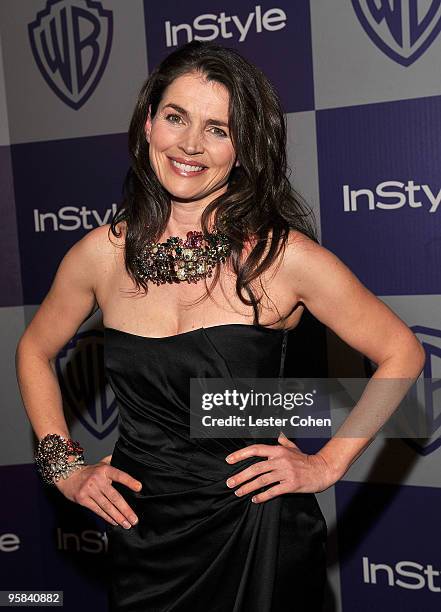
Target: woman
(223, 524)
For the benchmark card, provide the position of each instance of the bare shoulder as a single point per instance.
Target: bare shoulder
(308, 262)
(101, 250)
(85, 258)
(72, 295)
(102, 241)
(335, 295)
(321, 279)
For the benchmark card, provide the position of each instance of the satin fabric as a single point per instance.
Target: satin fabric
(198, 547)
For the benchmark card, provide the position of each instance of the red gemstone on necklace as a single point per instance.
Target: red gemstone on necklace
(194, 239)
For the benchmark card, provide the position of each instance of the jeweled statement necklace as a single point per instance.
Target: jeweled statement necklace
(177, 260)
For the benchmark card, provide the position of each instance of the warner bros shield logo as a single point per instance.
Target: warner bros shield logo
(71, 42)
(81, 375)
(402, 29)
(420, 428)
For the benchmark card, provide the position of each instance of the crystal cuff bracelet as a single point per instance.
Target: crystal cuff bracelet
(52, 456)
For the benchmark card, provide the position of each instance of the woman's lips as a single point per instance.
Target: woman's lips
(186, 173)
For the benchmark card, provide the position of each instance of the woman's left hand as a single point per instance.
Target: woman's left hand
(292, 470)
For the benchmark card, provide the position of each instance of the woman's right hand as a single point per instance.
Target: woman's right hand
(91, 486)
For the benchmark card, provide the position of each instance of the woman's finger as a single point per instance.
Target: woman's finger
(269, 494)
(253, 450)
(120, 503)
(92, 505)
(258, 483)
(250, 472)
(120, 476)
(285, 441)
(126, 518)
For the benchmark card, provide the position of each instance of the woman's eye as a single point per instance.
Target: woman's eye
(172, 115)
(220, 132)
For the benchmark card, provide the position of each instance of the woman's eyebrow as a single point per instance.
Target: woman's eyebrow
(186, 114)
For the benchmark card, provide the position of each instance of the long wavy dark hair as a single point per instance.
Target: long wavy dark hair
(259, 204)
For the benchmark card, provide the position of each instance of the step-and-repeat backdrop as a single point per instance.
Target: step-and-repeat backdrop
(360, 83)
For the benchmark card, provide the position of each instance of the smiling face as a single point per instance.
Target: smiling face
(190, 150)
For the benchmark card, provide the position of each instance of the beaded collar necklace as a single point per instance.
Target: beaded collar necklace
(176, 260)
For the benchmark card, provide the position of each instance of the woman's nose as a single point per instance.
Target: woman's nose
(192, 141)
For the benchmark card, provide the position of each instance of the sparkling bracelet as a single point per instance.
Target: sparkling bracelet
(52, 457)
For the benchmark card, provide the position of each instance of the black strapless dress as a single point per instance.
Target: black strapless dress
(197, 546)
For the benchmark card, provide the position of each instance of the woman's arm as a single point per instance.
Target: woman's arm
(70, 300)
(335, 296)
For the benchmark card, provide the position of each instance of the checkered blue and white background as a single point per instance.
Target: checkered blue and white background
(360, 83)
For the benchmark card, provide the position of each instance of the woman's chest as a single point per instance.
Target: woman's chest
(172, 308)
